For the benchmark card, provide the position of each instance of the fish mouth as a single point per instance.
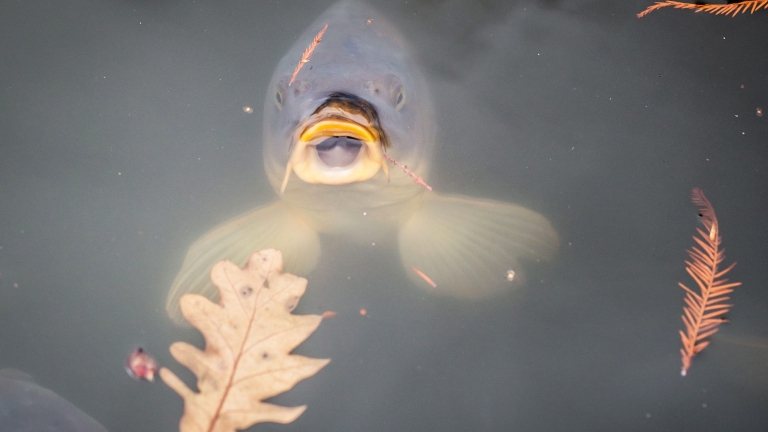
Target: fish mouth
(340, 143)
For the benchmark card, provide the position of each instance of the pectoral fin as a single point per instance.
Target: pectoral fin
(272, 226)
(466, 246)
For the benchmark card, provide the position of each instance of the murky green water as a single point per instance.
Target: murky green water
(123, 138)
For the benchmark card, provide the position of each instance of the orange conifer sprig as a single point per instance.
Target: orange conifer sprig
(305, 56)
(704, 311)
(732, 9)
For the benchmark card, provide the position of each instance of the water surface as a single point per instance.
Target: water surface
(124, 138)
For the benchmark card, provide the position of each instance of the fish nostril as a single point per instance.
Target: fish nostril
(371, 87)
(301, 87)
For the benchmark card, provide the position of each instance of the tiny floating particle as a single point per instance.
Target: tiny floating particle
(759, 112)
(363, 312)
(247, 109)
(140, 365)
(369, 21)
(510, 275)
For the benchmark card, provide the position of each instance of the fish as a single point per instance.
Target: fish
(330, 127)
(26, 406)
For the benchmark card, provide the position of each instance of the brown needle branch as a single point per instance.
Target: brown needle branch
(732, 9)
(417, 179)
(308, 53)
(704, 310)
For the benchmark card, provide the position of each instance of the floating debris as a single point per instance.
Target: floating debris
(249, 336)
(416, 179)
(704, 311)
(731, 9)
(140, 365)
(510, 275)
(426, 278)
(308, 53)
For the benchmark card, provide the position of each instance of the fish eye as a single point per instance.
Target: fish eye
(400, 99)
(396, 91)
(278, 98)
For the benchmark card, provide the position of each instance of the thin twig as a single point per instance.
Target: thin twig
(426, 278)
(705, 310)
(732, 9)
(417, 179)
(308, 53)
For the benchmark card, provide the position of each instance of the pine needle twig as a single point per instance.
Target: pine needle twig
(308, 53)
(704, 311)
(416, 178)
(732, 9)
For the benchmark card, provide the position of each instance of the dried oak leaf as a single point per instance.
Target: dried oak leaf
(248, 339)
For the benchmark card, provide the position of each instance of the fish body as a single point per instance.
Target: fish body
(25, 406)
(330, 125)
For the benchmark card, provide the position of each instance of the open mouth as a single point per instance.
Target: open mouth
(339, 151)
(340, 143)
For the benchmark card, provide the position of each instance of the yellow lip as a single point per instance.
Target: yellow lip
(310, 168)
(335, 127)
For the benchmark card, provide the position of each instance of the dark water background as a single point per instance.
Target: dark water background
(123, 138)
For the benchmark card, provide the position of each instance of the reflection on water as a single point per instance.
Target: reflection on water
(124, 138)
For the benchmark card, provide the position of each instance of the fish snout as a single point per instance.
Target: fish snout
(336, 147)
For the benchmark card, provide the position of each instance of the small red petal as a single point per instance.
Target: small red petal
(140, 365)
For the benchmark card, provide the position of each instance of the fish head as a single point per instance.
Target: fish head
(330, 122)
